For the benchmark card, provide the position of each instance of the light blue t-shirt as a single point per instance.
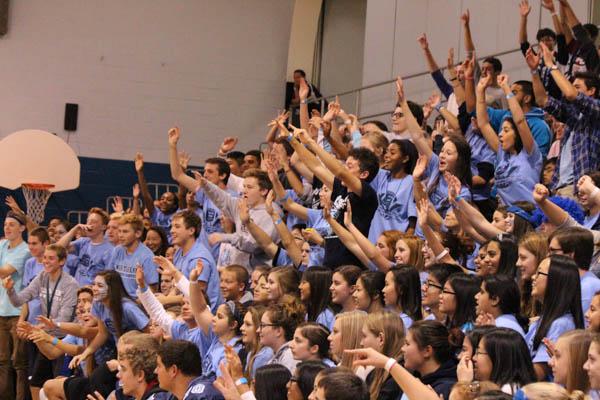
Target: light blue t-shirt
(213, 353)
(510, 321)
(31, 270)
(590, 284)
(187, 262)
(559, 326)
(211, 219)
(439, 194)
(481, 152)
(93, 258)
(326, 318)
(406, 320)
(163, 220)
(133, 317)
(15, 257)
(126, 264)
(262, 358)
(590, 220)
(396, 204)
(517, 174)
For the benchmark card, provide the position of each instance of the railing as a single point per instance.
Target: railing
(77, 217)
(358, 91)
(127, 203)
(160, 188)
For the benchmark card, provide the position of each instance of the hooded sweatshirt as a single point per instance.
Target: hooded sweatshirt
(535, 119)
(442, 379)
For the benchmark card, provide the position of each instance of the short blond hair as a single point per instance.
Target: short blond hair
(135, 221)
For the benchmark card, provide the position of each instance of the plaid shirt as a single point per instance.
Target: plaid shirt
(582, 120)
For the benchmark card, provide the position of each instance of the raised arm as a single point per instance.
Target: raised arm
(310, 160)
(200, 309)
(518, 115)
(281, 194)
(14, 206)
(556, 215)
(262, 238)
(478, 221)
(483, 119)
(466, 22)
(303, 94)
(290, 174)
(369, 250)
(533, 60)
(345, 237)
(135, 205)
(558, 26)
(335, 167)
(153, 307)
(139, 169)
(274, 127)
(524, 10)
(431, 64)
(415, 130)
(177, 172)
(565, 86)
(457, 87)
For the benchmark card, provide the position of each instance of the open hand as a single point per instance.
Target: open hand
(196, 272)
(139, 276)
(138, 161)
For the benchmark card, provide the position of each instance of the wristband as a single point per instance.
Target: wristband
(453, 79)
(241, 381)
(58, 325)
(144, 289)
(510, 96)
(534, 71)
(438, 107)
(277, 221)
(458, 198)
(303, 101)
(441, 255)
(389, 364)
(54, 341)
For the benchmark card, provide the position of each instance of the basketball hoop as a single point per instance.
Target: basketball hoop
(36, 196)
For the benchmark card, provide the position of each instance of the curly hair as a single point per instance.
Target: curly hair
(141, 355)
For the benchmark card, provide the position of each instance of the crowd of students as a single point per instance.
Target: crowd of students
(453, 257)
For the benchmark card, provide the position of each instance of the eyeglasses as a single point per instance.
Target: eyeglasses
(294, 379)
(446, 291)
(431, 284)
(397, 115)
(480, 353)
(554, 250)
(541, 273)
(262, 326)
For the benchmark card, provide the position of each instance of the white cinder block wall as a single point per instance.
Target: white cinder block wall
(136, 67)
(392, 27)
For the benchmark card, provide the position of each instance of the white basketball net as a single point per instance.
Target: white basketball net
(36, 202)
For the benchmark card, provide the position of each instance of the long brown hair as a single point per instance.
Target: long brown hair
(256, 313)
(390, 325)
(116, 295)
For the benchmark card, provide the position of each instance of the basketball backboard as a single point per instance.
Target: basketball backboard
(35, 156)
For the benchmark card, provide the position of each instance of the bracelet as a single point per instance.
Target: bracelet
(441, 255)
(54, 341)
(303, 101)
(453, 79)
(534, 71)
(438, 107)
(389, 364)
(58, 325)
(241, 381)
(510, 96)
(458, 198)
(277, 221)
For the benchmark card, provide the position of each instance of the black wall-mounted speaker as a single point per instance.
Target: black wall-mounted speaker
(71, 111)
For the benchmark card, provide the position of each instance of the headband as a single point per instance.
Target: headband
(520, 212)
